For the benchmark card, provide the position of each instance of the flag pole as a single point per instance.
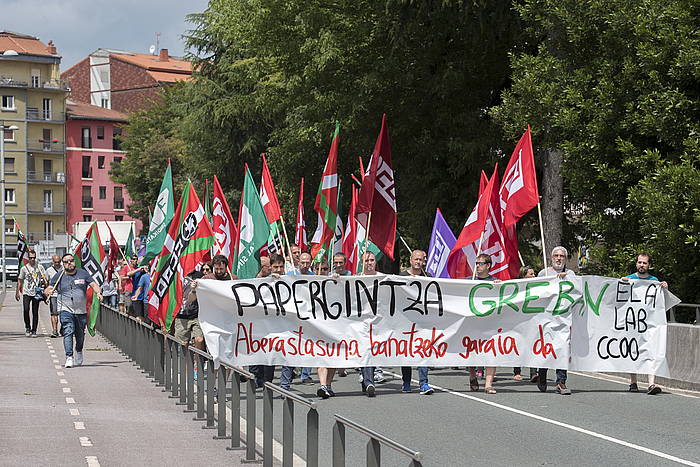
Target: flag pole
(362, 260)
(289, 248)
(544, 250)
(478, 252)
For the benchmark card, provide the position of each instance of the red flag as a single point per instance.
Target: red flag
(518, 193)
(300, 234)
(350, 247)
(113, 259)
(326, 205)
(377, 195)
(268, 196)
(223, 224)
(458, 261)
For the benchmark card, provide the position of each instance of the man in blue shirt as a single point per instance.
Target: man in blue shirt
(643, 265)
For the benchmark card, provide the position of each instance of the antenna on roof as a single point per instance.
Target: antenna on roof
(157, 43)
(152, 49)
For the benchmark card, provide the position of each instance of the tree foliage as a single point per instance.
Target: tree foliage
(615, 85)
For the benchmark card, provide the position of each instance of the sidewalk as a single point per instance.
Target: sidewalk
(106, 412)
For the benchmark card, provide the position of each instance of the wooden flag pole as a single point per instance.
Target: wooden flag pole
(478, 252)
(362, 257)
(58, 281)
(544, 250)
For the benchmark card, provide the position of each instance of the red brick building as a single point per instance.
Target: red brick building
(123, 81)
(91, 151)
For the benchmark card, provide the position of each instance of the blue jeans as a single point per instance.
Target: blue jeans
(367, 375)
(561, 375)
(422, 375)
(112, 300)
(73, 324)
(305, 373)
(286, 376)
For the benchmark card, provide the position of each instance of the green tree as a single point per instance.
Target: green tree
(614, 85)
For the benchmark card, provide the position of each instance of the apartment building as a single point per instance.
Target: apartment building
(33, 100)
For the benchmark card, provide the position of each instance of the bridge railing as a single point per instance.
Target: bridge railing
(180, 370)
(672, 313)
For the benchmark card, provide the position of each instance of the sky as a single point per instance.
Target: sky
(79, 27)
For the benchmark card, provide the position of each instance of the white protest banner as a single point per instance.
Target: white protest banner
(415, 321)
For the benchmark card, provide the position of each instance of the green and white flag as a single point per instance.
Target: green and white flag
(129, 247)
(253, 230)
(162, 215)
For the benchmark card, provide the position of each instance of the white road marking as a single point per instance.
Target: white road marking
(63, 381)
(79, 425)
(66, 390)
(594, 434)
(58, 367)
(70, 400)
(60, 373)
(55, 361)
(74, 412)
(92, 461)
(85, 441)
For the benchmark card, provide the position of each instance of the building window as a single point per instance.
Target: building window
(104, 103)
(87, 198)
(10, 164)
(8, 103)
(86, 140)
(100, 132)
(9, 135)
(48, 230)
(87, 170)
(10, 226)
(103, 192)
(10, 196)
(118, 198)
(87, 218)
(116, 139)
(47, 109)
(118, 218)
(100, 162)
(36, 78)
(116, 161)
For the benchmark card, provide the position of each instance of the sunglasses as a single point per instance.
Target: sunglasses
(68, 261)
(481, 263)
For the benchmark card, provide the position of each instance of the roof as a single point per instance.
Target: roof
(25, 44)
(78, 110)
(172, 70)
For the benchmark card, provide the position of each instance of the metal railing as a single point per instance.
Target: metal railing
(57, 84)
(374, 444)
(39, 207)
(45, 146)
(36, 114)
(40, 236)
(46, 177)
(179, 369)
(673, 310)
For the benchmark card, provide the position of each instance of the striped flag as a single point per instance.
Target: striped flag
(326, 205)
(90, 255)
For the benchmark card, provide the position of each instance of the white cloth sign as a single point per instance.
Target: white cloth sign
(388, 320)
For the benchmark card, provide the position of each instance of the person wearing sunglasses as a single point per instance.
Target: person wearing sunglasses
(32, 277)
(71, 300)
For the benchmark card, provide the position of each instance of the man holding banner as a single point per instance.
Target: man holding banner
(558, 269)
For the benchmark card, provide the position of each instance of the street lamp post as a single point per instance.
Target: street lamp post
(2, 210)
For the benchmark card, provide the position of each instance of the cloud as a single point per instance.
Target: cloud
(79, 27)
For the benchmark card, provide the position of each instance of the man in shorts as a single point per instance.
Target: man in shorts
(125, 285)
(187, 322)
(52, 271)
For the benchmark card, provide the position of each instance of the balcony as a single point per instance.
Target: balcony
(39, 207)
(10, 82)
(87, 203)
(48, 85)
(119, 204)
(42, 115)
(46, 177)
(35, 237)
(46, 146)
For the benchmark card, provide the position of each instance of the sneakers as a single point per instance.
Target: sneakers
(323, 392)
(426, 390)
(69, 362)
(379, 376)
(342, 372)
(330, 391)
(406, 386)
(54, 334)
(78, 358)
(563, 390)
(633, 388)
(27, 332)
(370, 390)
(653, 390)
(307, 381)
(34, 334)
(360, 378)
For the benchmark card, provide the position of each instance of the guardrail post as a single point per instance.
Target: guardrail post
(200, 387)
(250, 422)
(287, 432)
(338, 444)
(235, 411)
(312, 438)
(189, 376)
(159, 355)
(211, 390)
(175, 369)
(221, 406)
(373, 453)
(267, 426)
(168, 363)
(183, 374)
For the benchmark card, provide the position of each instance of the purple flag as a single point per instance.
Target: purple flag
(442, 241)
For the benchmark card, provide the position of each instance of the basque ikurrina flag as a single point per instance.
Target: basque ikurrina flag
(90, 255)
(188, 241)
(326, 205)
